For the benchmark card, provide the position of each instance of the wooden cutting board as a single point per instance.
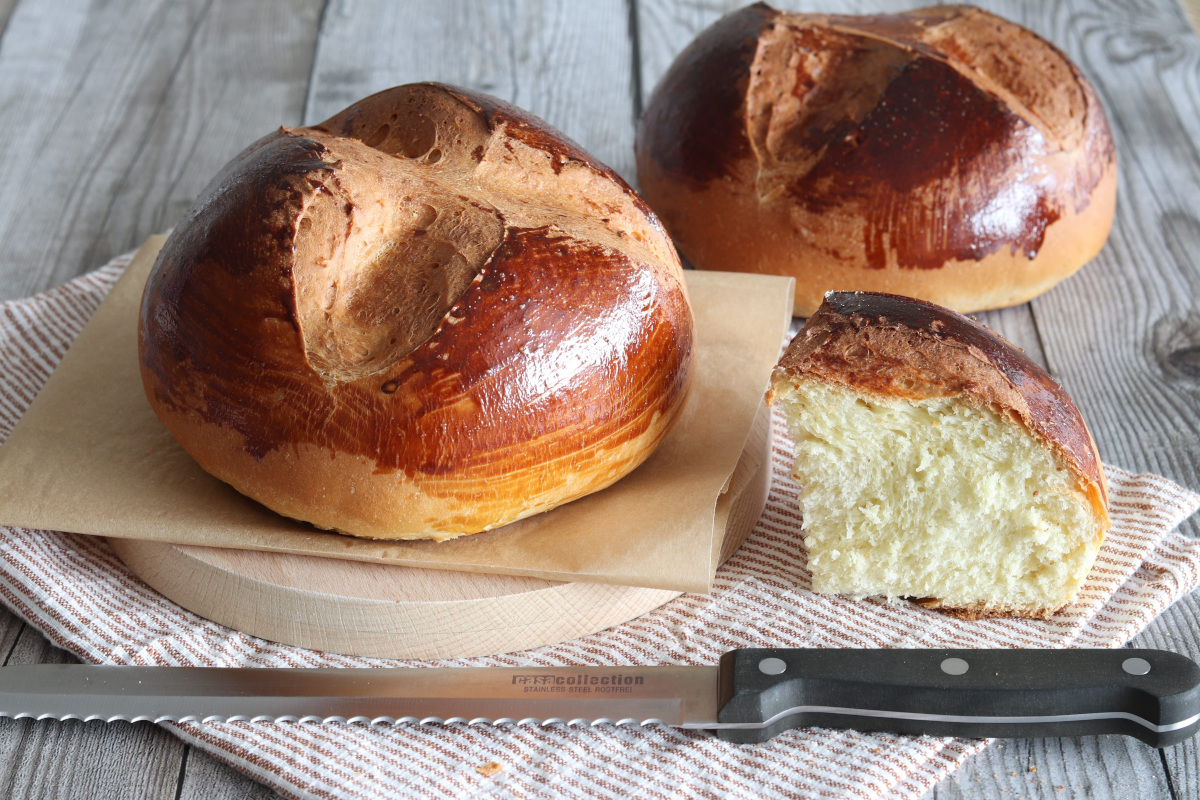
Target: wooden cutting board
(365, 609)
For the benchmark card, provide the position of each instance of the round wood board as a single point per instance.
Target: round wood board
(367, 609)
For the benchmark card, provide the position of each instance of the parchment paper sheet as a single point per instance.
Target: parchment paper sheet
(89, 456)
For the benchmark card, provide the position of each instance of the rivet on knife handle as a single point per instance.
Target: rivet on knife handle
(1152, 695)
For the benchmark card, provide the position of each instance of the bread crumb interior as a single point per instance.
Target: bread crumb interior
(934, 498)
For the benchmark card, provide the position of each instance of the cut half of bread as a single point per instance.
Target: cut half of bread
(937, 462)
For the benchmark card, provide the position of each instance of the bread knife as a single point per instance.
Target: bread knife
(751, 696)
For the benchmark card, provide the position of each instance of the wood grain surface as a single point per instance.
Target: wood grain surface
(569, 63)
(127, 109)
(114, 114)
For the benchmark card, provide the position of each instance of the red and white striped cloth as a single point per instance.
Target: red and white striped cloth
(76, 591)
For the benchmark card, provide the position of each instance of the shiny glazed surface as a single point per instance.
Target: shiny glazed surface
(432, 284)
(889, 153)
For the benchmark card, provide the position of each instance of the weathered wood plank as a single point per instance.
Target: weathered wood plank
(569, 63)
(10, 630)
(115, 114)
(206, 778)
(1124, 333)
(1059, 769)
(83, 759)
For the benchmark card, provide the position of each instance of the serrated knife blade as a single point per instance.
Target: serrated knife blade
(752, 695)
(544, 695)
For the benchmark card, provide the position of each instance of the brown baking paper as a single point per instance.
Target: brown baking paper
(89, 456)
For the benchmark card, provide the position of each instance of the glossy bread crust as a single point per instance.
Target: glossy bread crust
(428, 316)
(941, 153)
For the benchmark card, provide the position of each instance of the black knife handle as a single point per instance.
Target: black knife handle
(1153, 695)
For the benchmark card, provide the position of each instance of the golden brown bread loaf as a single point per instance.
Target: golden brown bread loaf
(428, 316)
(942, 153)
(937, 461)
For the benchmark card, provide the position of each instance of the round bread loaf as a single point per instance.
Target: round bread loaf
(430, 315)
(942, 153)
(937, 461)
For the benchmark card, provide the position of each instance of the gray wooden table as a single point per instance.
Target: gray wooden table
(114, 114)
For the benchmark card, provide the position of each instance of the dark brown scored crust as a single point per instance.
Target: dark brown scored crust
(943, 153)
(429, 315)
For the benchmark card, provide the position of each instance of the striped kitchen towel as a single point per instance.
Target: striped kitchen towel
(76, 591)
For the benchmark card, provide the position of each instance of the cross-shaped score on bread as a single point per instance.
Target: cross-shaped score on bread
(431, 315)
